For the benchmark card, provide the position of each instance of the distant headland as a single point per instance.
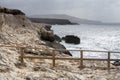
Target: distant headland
(63, 19)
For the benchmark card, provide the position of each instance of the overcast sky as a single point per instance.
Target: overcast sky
(104, 10)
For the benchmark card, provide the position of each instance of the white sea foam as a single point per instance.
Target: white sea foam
(95, 37)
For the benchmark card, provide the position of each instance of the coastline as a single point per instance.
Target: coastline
(17, 29)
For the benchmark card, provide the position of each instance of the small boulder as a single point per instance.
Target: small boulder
(71, 39)
(116, 63)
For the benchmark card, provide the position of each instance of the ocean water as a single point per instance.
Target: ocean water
(93, 37)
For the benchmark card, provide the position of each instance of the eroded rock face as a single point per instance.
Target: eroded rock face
(57, 38)
(58, 46)
(52, 40)
(11, 11)
(47, 34)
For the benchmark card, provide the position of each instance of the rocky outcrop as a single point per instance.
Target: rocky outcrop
(11, 11)
(58, 46)
(51, 40)
(71, 39)
(46, 34)
(57, 38)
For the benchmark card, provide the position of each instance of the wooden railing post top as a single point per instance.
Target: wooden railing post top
(81, 50)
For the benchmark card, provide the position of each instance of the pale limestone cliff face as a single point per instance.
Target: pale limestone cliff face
(17, 29)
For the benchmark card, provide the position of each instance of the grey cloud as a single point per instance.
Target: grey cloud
(106, 10)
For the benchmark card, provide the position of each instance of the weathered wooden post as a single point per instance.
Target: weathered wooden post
(53, 58)
(108, 61)
(81, 59)
(21, 55)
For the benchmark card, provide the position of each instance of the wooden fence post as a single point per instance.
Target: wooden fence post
(81, 59)
(53, 58)
(21, 55)
(108, 60)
